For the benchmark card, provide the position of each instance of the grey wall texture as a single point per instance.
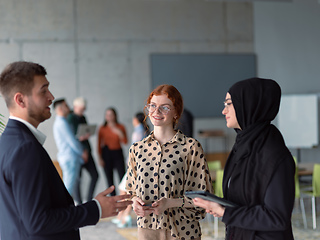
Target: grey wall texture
(287, 37)
(100, 49)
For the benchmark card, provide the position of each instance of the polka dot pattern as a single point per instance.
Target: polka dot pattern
(156, 171)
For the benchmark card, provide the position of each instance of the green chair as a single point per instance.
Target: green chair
(217, 186)
(295, 160)
(218, 183)
(298, 196)
(313, 193)
(214, 165)
(218, 191)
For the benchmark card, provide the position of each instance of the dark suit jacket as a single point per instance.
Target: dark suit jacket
(34, 203)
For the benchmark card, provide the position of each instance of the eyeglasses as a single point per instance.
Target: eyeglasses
(227, 104)
(162, 109)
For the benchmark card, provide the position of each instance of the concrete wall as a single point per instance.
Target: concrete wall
(287, 37)
(101, 49)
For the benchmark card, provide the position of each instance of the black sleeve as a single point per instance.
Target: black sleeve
(275, 213)
(32, 193)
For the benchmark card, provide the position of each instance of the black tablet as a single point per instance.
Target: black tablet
(210, 197)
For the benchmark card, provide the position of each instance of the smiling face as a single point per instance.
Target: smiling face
(159, 119)
(38, 102)
(230, 113)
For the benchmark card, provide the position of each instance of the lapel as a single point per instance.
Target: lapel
(21, 129)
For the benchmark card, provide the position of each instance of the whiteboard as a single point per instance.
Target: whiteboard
(298, 120)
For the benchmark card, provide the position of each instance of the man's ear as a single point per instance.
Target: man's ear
(19, 100)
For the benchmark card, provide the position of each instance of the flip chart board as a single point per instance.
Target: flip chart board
(298, 120)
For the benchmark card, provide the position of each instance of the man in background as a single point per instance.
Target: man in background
(185, 123)
(71, 155)
(76, 118)
(34, 203)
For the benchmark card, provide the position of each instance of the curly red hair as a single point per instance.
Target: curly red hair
(173, 94)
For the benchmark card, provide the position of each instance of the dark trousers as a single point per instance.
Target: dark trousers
(113, 159)
(90, 166)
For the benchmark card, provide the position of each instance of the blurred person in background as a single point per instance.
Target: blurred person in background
(71, 155)
(110, 137)
(185, 123)
(75, 118)
(140, 131)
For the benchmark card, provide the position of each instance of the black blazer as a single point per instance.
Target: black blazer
(34, 203)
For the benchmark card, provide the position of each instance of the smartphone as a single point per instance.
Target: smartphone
(148, 205)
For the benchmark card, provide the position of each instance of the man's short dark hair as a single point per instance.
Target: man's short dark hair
(19, 77)
(58, 102)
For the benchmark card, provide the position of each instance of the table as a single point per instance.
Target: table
(212, 133)
(305, 169)
(217, 155)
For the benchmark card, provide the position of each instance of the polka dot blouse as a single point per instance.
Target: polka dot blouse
(168, 170)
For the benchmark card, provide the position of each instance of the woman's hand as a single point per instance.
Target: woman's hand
(117, 131)
(140, 209)
(213, 208)
(160, 206)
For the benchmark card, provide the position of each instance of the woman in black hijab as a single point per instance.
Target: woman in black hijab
(259, 173)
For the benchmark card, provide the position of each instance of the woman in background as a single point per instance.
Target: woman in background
(141, 130)
(161, 168)
(259, 173)
(111, 135)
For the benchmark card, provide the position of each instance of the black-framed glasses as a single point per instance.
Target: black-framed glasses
(164, 109)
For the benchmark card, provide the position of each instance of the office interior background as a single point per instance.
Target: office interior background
(101, 50)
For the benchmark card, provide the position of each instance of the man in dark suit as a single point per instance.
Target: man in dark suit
(34, 204)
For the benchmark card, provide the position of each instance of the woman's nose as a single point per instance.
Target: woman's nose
(158, 110)
(224, 110)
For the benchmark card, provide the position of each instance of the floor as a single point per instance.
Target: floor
(105, 229)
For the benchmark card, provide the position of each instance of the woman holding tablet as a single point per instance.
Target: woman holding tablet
(161, 168)
(259, 173)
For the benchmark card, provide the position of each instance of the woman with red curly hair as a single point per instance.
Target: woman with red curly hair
(161, 168)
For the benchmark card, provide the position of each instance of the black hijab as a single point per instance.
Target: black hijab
(259, 146)
(255, 100)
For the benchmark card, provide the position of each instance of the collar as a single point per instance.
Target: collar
(178, 137)
(41, 137)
